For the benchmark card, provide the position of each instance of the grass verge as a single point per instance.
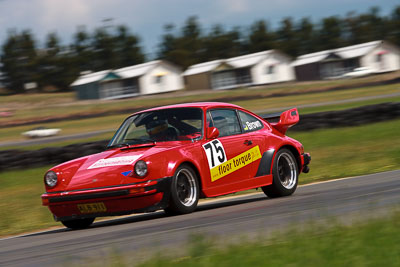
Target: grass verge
(21, 208)
(372, 243)
(351, 151)
(319, 97)
(336, 153)
(353, 104)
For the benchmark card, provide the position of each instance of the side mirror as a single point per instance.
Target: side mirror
(212, 133)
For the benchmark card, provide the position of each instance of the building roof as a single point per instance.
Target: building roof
(136, 70)
(203, 67)
(248, 60)
(90, 77)
(235, 62)
(352, 51)
(126, 72)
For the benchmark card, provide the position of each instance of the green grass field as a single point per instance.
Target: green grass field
(313, 98)
(257, 105)
(32, 106)
(339, 152)
(351, 151)
(20, 204)
(372, 243)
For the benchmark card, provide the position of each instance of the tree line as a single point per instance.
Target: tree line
(55, 66)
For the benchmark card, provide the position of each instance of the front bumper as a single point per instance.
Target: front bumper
(116, 200)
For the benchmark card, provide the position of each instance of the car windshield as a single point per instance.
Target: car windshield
(173, 124)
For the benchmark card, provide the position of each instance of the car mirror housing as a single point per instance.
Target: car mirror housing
(212, 132)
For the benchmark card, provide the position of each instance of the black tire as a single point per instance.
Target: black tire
(78, 223)
(285, 175)
(185, 193)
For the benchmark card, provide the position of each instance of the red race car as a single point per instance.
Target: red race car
(169, 157)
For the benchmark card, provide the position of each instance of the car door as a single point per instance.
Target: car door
(230, 155)
(256, 134)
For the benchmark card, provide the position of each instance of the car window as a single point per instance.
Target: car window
(226, 121)
(173, 124)
(249, 122)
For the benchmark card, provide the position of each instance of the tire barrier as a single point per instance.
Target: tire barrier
(21, 159)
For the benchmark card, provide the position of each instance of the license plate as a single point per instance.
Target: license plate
(92, 207)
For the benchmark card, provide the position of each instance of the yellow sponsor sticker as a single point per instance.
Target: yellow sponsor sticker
(235, 163)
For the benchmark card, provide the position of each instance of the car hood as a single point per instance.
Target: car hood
(109, 168)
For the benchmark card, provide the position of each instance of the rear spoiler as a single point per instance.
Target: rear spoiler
(283, 121)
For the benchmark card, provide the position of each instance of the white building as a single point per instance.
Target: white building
(254, 69)
(148, 78)
(377, 56)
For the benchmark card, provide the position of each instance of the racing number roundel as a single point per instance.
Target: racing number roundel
(215, 153)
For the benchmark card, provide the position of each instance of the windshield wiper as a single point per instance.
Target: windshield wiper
(140, 140)
(118, 145)
(137, 141)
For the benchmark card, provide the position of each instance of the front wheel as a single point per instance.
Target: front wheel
(285, 175)
(184, 191)
(78, 223)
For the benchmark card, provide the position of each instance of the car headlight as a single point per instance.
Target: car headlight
(51, 178)
(141, 168)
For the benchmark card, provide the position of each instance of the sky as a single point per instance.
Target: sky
(146, 18)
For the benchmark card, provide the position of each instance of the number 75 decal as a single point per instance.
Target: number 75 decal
(215, 153)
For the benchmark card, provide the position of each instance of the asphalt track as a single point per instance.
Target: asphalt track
(345, 200)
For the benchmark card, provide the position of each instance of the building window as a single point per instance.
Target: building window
(158, 79)
(223, 79)
(270, 69)
(243, 76)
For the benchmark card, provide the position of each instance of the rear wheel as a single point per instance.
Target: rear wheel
(78, 223)
(184, 191)
(285, 175)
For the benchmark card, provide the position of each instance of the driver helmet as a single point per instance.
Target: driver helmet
(156, 127)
